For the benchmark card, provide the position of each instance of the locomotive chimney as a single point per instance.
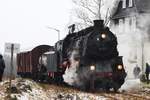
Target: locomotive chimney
(99, 24)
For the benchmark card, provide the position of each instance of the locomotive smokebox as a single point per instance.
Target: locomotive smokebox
(98, 24)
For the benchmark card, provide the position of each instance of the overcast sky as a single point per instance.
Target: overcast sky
(26, 21)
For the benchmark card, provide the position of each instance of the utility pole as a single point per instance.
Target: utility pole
(58, 31)
(142, 47)
(11, 48)
(11, 69)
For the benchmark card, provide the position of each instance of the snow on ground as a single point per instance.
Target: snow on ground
(24, 89)
(3, 86)
(131, 84)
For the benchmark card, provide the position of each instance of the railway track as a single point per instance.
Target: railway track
(138, 96)
(112, 95)
(125, 96)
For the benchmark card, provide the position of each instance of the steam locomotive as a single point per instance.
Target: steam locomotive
(89, 57)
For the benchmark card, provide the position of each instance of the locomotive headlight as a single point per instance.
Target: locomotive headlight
(92, 67)
(120, 67)
(103, 35)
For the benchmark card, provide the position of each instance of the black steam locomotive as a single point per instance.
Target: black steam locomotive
(90, 56)
(95, 51)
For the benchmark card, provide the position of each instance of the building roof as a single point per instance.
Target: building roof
(143, 6)
(125, 13)
(139, 6)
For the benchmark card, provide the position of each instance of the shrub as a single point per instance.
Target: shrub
(143, 77)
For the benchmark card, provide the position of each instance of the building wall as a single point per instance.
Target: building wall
(133, 41)
(128, 43)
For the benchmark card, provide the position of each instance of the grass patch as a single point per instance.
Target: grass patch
(43, 85)
(144, 84)
(8, 97)
(12, 90)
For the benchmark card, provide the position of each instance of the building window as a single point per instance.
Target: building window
(116, 21)
(120, 21)
(121, 25)
(133, 23)
(124, 4)
(127, 25)
(130, 3)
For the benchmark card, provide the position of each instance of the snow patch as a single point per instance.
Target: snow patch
(130, 84)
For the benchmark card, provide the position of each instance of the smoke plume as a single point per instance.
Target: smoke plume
(74, 75)
(70, 75)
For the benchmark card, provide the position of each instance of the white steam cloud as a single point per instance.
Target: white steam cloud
(74, 75)
(70, 75)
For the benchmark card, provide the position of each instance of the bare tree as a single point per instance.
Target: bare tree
(89, 10)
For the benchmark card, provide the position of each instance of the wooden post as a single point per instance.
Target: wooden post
(11, 65)
(142, 46)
